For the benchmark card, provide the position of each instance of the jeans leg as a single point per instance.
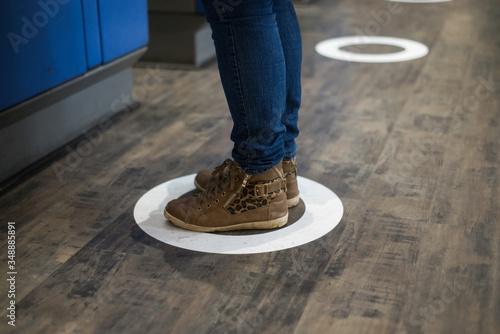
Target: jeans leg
(291, 41)
(253, 74)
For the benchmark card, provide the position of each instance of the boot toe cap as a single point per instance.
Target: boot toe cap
(176, 208)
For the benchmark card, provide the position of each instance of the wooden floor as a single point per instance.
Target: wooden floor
(411, 148)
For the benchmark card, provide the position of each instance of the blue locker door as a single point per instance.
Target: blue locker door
(92, 33)
(41, 46)
(124, 27)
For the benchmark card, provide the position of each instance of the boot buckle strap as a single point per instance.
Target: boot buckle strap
(267, 188)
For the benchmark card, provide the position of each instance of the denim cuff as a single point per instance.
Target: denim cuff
(256, 171)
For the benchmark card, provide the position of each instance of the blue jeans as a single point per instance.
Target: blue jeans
(259, 52)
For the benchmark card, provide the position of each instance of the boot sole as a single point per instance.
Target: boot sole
(260, 225)
(291, 202)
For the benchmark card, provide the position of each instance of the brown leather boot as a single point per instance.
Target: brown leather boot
(292, 188)
(203, 178)
(234, 200)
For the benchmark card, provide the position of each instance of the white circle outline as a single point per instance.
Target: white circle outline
(324, 210)
(331, 48)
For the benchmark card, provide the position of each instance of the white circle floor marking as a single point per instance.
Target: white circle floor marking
(324, 211)
(331, 49)
(420, 1)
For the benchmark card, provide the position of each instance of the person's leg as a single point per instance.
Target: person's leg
(250, 192)
(253, 72)
(291, 42)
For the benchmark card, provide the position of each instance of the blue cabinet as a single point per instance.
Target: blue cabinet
(44, 43)
(92, 33)
(41, 46)
(124, 27)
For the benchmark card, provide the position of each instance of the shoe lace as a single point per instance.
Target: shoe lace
(223, 181)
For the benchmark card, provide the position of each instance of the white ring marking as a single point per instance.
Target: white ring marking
(331, 49)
